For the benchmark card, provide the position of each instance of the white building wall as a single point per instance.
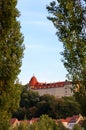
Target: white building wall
(56, 91)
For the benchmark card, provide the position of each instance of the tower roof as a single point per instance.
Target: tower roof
(33, 81)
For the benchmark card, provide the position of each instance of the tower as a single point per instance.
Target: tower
(33, 81)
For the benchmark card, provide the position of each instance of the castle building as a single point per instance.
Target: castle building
(58, 89)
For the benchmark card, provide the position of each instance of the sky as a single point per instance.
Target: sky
(42, 48)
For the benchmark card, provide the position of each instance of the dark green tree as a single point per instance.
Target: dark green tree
(69, 18)
(28, 102)
(69, 103)
(11, 54)
(29, 98)
(48, 105)
(57, 108)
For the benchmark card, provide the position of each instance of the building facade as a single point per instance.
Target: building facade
(58, 89)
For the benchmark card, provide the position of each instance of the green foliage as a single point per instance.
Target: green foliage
(33, 105)
(46, 105)
(57, 108)
(11, 53)
(69, 18)
(77, 127)
(45, 123)
(4, 120)
(23, 126)
(28, 103)
(84, 123)
(69, 103)
(29, 98)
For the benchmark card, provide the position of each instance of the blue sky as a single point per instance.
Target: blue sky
(42, 54)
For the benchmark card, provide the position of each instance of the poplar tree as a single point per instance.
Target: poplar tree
(11, 54)
(69, 18)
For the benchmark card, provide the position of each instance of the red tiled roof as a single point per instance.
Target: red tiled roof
(63, 120)
(12, 121)
(68, 119)
(74, 118)
(49, 85)
(34, 84)
(33, 81)
(34, 120)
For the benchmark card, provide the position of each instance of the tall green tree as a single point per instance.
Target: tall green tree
(11, 53)
(45, 123)
(69, 18)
